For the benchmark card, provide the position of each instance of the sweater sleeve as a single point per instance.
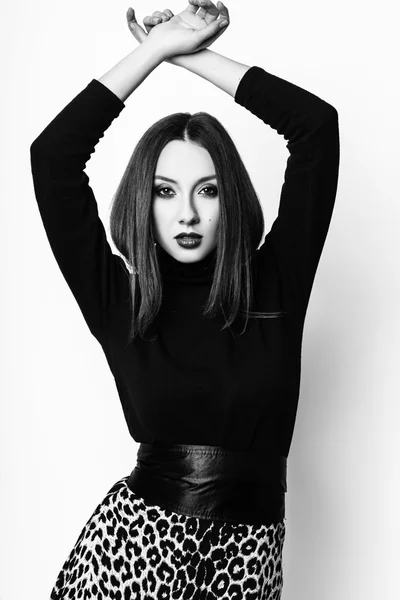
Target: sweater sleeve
(310, 125)
(67, 204)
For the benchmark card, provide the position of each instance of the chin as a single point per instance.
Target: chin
(191, 254)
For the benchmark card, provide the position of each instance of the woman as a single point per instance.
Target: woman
(211, 394)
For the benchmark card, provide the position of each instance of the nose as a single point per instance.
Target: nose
(187, 210)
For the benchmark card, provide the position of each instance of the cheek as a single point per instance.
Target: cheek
(213, 218)
(213, 213)
(160, 213)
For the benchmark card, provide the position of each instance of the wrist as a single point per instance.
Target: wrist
(156, 51)
(187, 60)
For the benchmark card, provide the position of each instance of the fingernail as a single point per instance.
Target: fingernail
(223, 23)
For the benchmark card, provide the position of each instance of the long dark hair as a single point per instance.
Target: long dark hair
(240, 230)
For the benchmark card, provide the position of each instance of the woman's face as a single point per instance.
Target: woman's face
(189, 203)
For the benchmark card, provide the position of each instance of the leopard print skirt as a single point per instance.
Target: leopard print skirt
(131, 550)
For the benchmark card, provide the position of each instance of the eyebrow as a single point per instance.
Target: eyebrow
(173, 180)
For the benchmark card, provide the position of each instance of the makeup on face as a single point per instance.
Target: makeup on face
(185, 205)
(189, 239)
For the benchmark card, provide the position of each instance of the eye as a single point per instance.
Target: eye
(159, 190)
(212, 191)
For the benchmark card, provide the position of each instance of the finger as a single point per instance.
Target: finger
(147, 22)
(203, 13)
(223, 10)
(210, 30)
(130, 15)
(213, 9)
(206, 5)
(193, 6)
(168, 12)
(138, 32)
(157, 14)
(208, 11)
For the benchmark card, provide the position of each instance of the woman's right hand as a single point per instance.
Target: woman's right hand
(188, 32)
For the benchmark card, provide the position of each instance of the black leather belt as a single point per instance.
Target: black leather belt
(211, 482)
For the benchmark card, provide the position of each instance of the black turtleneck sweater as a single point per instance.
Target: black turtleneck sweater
(236, 391)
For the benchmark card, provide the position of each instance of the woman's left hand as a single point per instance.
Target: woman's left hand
(194, 20)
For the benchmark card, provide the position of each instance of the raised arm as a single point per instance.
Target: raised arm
(65, 199)
(310, 125)
(67, 205)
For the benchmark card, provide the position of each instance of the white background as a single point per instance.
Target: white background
(64, 441)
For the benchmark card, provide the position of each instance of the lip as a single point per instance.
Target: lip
(195, 236)
(194, 242)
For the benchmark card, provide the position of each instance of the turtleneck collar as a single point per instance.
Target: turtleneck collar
(201, 271)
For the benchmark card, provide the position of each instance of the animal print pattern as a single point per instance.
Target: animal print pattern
(131, 550)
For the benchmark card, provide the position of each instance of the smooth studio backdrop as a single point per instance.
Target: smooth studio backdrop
(63, 437)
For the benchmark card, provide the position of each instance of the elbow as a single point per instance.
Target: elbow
(41, 144)
(39, 153)
(330, 113)
(329, 121)
(36, 146)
